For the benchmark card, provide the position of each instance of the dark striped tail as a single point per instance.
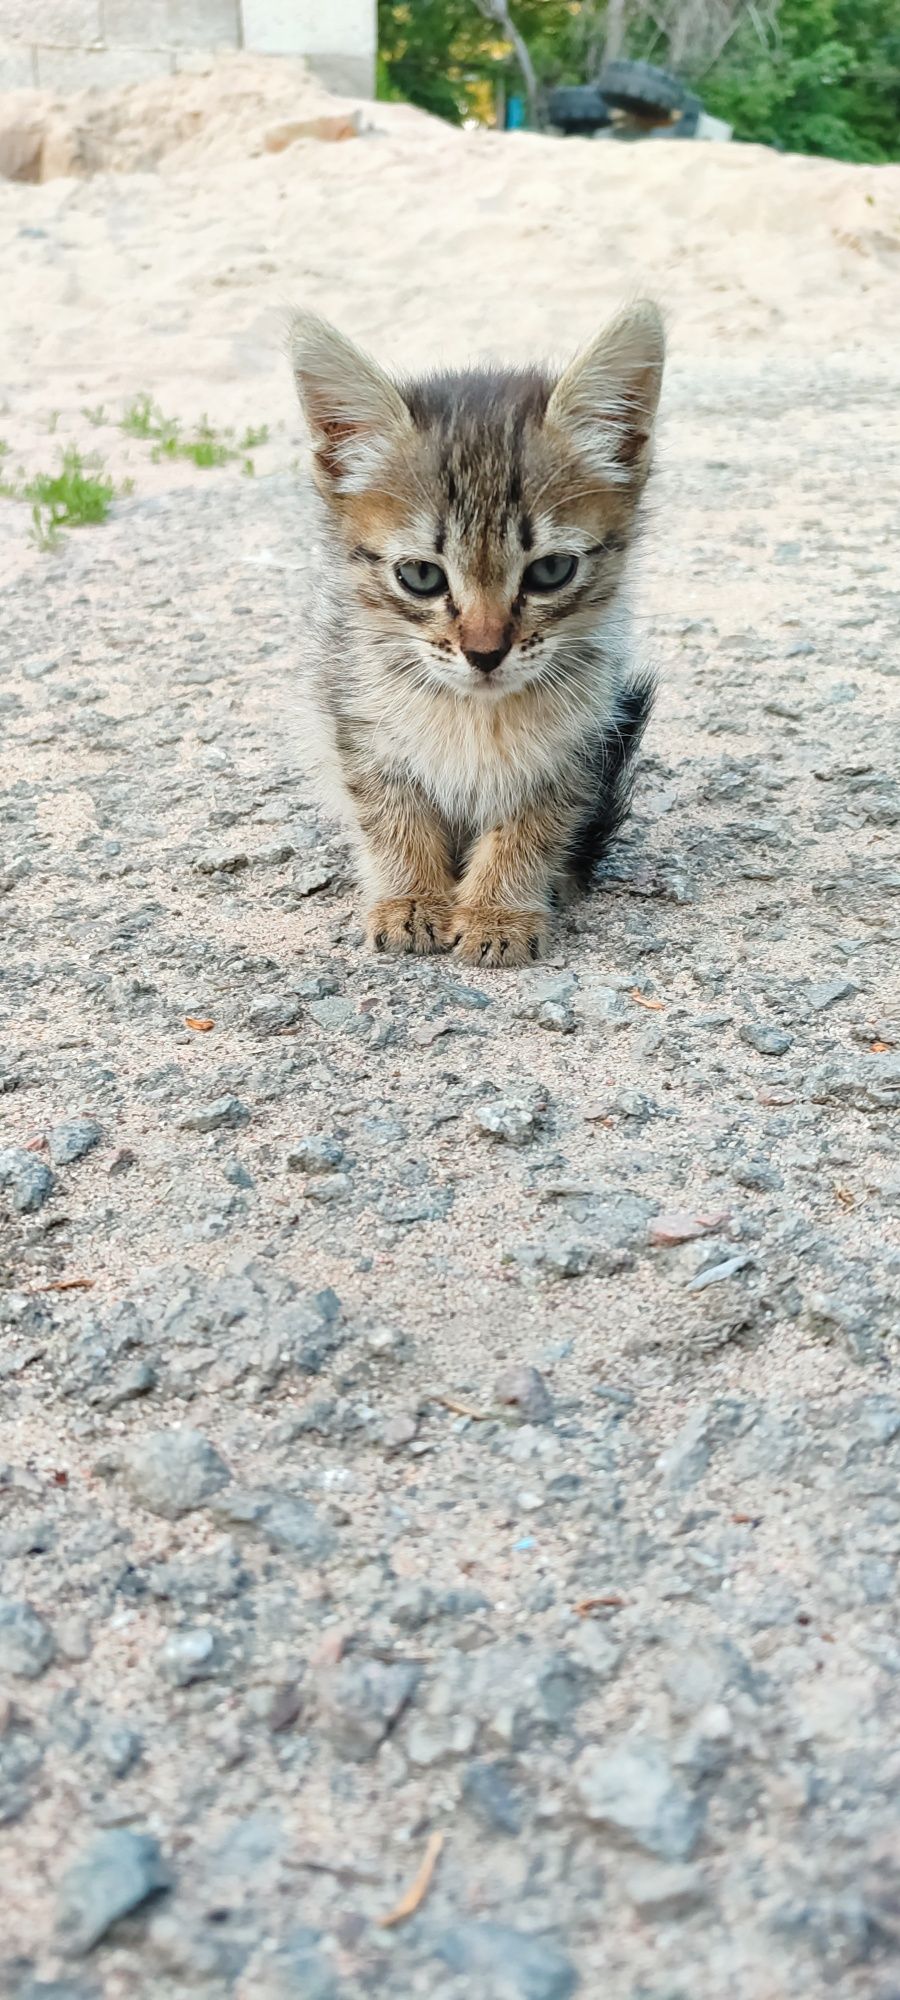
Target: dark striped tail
(614, 771)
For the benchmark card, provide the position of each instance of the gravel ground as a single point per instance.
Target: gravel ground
(450, 1409)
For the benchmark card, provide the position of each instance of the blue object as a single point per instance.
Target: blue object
(515, 114)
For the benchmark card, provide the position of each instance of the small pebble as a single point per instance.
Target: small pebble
(72, 1139)
(524, 1391)
(116, 1874)
(222, 1112)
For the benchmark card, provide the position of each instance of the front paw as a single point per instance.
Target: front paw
(410, 923)
(485, 936)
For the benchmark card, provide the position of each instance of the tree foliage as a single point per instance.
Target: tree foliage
(826, 81)
(810, 76)
(440, 53)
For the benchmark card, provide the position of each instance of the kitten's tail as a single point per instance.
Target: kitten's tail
(613, 772)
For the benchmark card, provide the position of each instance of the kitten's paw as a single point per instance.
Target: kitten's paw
(410, 923)
(500, 937)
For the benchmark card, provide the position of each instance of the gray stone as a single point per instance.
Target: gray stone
(829, 992)
(559, 1256)
(316, 1155)
(600, 1006)
(506, 1119)
(524, 1391)
(490, 1793)
(26, 1644)
(118, 1873)
(222, 861)
(757, 1174)
(686, 1459)
(700, 1672)
(399, 1430)
(880, 1418)
(276, 1016)
(660, 1889)
(361, 1702)
(848, 1320)
(766, 1041)
(172, 1472)
(719, 1273)
(632, 1792)
(530, 1967)
(307, 876)
(278, 1707)
(294, 1528)
(867, 1082)
(334, 1013)
(555, 1017)
(73, 1638)
(710, 1425)
(28, 1181)
(539, 990)
(71, 1139)
(118, 1747)
(226, 1112)
(439, 1740)
(200, 1581)
(327, 1186)
(195, 1654)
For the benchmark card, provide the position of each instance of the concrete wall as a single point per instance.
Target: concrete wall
(72, 44)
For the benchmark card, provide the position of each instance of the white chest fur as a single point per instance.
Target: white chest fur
(481, 759)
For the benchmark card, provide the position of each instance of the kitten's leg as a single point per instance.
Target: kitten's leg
(506, 895)
(405, 865)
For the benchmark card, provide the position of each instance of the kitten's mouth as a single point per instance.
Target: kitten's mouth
(488, 687)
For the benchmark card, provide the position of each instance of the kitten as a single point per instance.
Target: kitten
(472, 679)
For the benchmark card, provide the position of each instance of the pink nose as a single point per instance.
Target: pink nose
(482, 637)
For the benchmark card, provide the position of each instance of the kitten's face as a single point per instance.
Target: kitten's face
(486, 516)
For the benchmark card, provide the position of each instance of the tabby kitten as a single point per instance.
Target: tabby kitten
(471, 674)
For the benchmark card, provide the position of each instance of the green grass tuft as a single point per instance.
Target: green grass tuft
(203, 446)
(143, 418)
(78, 495)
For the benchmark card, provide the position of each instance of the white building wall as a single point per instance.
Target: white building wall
(70, 44)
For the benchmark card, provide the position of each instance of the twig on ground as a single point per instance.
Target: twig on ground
(67, 1285)
(460, 1409)
(418, 1888)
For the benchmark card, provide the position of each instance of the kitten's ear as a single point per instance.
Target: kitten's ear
(607, 398)
(353, 409)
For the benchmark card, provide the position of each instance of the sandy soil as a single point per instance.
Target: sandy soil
(638, 1623)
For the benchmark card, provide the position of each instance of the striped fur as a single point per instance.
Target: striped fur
(480, 739)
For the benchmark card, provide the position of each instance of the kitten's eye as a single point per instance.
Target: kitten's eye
(423, 579)
(550, 572)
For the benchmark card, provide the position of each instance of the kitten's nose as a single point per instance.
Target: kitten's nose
(486, 662)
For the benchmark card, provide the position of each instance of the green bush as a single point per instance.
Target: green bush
(829, 82)
(817, 76)
(439, 54)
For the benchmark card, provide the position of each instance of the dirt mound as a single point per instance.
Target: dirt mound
(239, 105)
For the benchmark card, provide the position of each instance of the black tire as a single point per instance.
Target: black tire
(682, 127)
(640, 88)
(578, 108)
